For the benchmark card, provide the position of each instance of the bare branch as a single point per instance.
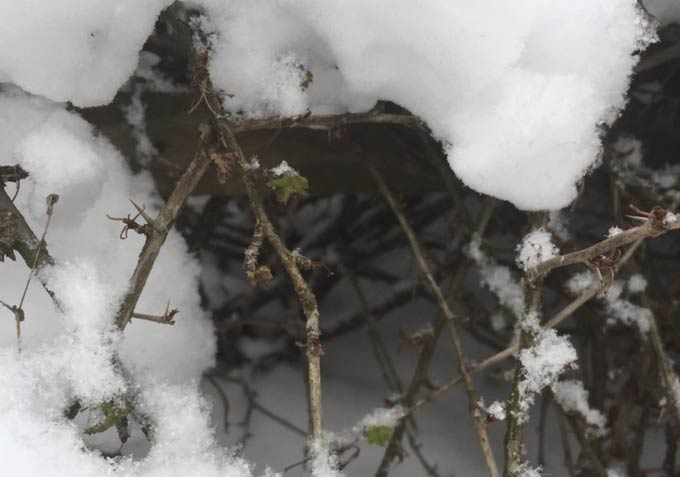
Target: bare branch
(451, 319)
(328, 122)
(653, 226)
(161, 226)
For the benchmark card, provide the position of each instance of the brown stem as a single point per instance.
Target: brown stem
(15, 232)
(158, 232)
(514, 435)
(650, 228)
(306, 297)
(327, 122)
(450, 318)
(501, 356)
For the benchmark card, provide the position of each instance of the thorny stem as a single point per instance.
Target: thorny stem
(158, 232)
(514, 435)
(501, 356)
(450, 318)
(650, 228)
(306, 297)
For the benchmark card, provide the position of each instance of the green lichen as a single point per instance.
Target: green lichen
(379, 435)
(287, 185)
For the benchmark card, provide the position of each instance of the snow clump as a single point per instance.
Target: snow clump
(519, 122)
(536, 247)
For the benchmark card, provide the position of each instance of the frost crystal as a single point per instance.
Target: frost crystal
(382, 417)
(498, 279)
(543, 363)
(324, 463)
(496, 410)
(536, 247)
(282, 168)
(637, 283)
(613, 231)
(572, 397)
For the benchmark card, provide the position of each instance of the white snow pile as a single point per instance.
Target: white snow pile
(520, 120)
(536, 247)
(74, 50)
(619, 308)
(573, 398)
(68, 355)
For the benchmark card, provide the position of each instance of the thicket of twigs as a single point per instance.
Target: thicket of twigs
(457, 240)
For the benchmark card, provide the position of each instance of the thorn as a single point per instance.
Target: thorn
(142, 211)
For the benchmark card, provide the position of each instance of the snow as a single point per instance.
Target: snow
(510, 111)
(68, 354)
(488, 85)
(614, 231)
(536, 247)
(558, 224)
(580, 282)
(572, 397)
(637, 283)
(526, 470)
(81, 51)
(323, 463)
(498, 279)
(619, 307)
(388, 417)
(543, 363)
(495, 410)
(282, 168)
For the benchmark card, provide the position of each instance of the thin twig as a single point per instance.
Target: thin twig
(501, 356)
(15, 231)
(227, 141)
(652, 227)
(158, 232)
(451, 319)
(333, 121)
